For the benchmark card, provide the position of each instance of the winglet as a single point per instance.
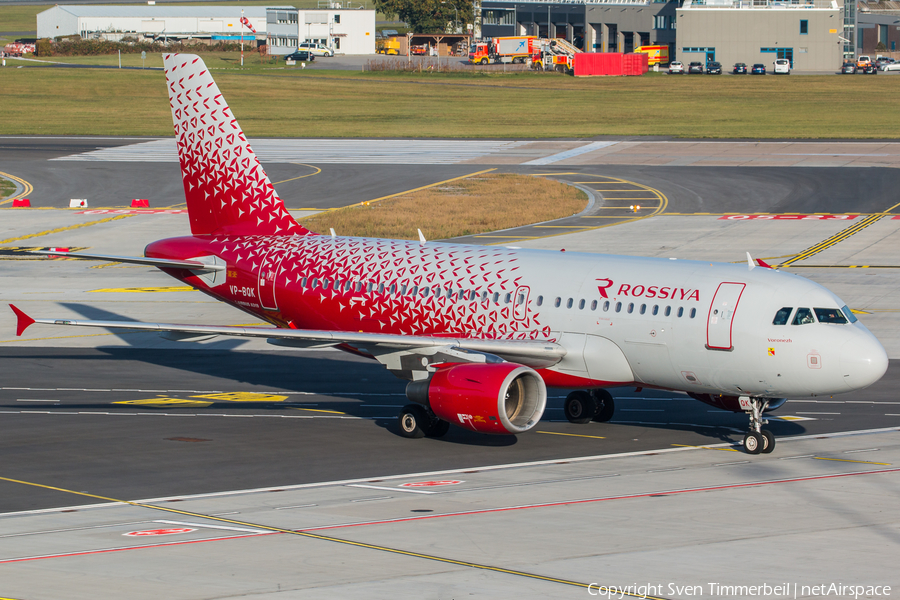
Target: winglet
(762, 263)
(22, 320)
(422, 239)
(750, 265)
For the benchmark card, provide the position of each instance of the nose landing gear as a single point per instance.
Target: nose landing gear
(757, 440)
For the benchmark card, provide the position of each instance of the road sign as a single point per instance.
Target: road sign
(430, 483)
(152, 532)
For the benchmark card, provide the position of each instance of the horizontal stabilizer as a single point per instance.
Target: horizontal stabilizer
(162, 263)
(534, 353)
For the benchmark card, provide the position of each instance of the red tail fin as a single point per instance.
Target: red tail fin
(226, 188)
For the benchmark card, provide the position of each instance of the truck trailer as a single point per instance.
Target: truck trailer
(503, 50)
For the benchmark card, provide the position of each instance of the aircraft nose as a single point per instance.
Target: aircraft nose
(863, 361)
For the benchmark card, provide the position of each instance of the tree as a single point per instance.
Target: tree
(428, 16)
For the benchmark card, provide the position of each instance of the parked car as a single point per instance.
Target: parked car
(884, 60)
(695, 67)
(676, 68)
(758, 69)
(317, 49)
(420, 50)
(848, 68)
(862, 61)
(894, 66)
(869, 69)
(714, 68)
(302, 55)
(782, 66)
(739, 69)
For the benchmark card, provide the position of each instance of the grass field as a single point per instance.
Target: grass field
(463, 207)
(294, 103)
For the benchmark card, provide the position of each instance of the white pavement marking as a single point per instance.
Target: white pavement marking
(403, 152)
(500, 467)
(570, 153)
(390, 489)
(201, 525)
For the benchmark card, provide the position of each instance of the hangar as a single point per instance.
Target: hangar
(161, 20)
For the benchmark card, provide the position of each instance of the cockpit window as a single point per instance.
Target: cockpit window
(803, 316)
(782, 316)
(829, 315)
(849, 314)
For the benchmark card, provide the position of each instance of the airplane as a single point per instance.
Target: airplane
(479, 332)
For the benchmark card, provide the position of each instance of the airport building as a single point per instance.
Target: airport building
(157, 21)
(812, 34)
(807, 33)
(873, 29)
(344, 30)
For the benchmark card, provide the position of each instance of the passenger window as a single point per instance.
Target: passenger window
(630, 307)
(326, 283)
(393, 289)
(370, 286)
(303, 282)
(655, 309)
(496, 297)
(829, 315)
(380, 288)
(643, 308)
(680, 311)
(484, 296)
(414, 290)
(508, 298)
(782, 316)
(540, 300)
(315, 282)
(437, 291)
(348, 286)
(618, 307)
(849, 314)
(606, 306)
(693, 312)
(593, 305)
(359, 286)
(473, 295)
(668, 310)
(403, 290)
(557, 302)
(803, 316)
(569, 303)
(425, 291)
(521, 299)
(581, 304)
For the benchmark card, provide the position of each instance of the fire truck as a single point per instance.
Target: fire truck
(656, 55)
(503, 50)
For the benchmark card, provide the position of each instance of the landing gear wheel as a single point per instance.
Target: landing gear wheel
(768, 439)
(606, 406)
(437, 428)
(753, 442)
(580, 407)
(413, 419)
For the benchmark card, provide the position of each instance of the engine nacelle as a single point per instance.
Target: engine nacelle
(488, 398)
(732, 403)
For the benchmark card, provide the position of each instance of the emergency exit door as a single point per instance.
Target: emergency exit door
(721, 316)
(267, 273)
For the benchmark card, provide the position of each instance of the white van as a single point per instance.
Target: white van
(782, 65)
(315, 49)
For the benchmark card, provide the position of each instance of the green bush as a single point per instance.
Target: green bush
(80, 47)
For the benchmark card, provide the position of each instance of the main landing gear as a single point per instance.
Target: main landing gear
(586, 406)
(757, 440)
(418, 421)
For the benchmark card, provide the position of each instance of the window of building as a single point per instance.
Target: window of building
(498, 17)
(337, 19)
(804, 27)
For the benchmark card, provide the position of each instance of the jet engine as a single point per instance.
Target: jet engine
(732, 403)
(488, 398)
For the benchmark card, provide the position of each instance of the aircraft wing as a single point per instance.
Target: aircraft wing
(408, 356)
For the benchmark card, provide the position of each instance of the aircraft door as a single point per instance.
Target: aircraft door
(268, 271)
(721, 315)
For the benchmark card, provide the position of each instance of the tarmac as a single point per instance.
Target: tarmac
(139, 467)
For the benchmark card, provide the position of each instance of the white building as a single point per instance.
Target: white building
(218, 22)
(345, 30)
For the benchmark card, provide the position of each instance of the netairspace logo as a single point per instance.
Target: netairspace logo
(719, 590)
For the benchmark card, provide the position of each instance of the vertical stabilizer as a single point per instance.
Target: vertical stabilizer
(226, 189)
